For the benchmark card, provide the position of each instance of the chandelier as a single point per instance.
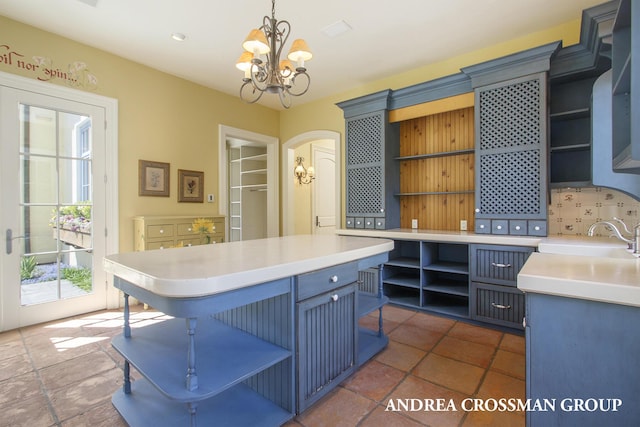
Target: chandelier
(263, 69)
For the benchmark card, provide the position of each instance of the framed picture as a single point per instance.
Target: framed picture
(153, 178)
(190, 186)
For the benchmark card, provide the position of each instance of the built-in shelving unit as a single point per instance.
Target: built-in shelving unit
(248, 192)
(570, 139)
(446, 278)
(429, 275)
(436, 169)
(626, 37)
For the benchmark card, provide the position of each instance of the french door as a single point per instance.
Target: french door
(53, 156)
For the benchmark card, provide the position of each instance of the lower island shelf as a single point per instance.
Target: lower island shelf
(226, 357)
(146, 406)
(370, 342)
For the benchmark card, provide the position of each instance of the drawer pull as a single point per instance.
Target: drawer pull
(161, 231)
(333, 279)
(334, 297)
(500, 265)
(500, 306)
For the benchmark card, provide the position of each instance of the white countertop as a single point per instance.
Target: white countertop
(598, 278)
(210, 269)
(443, 236)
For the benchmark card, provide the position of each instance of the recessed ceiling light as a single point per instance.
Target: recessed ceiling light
(336, 29)
(179, 37)
(89, 2)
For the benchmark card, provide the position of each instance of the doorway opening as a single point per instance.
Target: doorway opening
(299, 211)
(248, 184)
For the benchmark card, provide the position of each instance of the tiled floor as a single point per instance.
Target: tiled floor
(63, 374)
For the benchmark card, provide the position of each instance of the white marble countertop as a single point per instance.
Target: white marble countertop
(210, 269)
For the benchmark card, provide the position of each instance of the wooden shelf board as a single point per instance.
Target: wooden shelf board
(435, 193)
(432, 155)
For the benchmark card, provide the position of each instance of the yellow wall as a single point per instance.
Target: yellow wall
(161, 118)
(167, 119)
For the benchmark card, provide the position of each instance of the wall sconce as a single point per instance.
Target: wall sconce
(302, 174)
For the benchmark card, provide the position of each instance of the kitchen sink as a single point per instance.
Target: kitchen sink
(585, 246)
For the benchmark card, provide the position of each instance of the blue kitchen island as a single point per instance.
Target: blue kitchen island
(257, 331)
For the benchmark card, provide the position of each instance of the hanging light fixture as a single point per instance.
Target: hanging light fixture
(302, 174)
(263, 69)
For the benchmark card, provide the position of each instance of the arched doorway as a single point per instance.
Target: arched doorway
(288, 163)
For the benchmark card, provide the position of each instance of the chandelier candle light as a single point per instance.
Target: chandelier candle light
(272, 74)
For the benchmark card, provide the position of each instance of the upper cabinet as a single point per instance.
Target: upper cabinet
(626, 81)
(511, 142)
(371, 169)
(413, 153)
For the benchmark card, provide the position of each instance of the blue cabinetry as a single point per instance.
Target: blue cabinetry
(253, 354)
(626, 80)
(372, 180)
(579, 352)
(429, 275)
(198, 370)
(494, 297)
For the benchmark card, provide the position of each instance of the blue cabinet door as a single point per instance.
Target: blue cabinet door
(327, 342)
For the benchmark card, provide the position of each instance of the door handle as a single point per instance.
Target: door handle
(10, 239)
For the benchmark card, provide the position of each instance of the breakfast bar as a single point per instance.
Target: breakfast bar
(257, 330)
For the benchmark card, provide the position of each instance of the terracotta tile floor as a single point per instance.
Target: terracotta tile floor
(63, 373)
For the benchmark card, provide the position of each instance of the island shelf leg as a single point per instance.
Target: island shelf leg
(192, 377)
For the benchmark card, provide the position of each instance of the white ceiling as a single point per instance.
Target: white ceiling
(387, 37)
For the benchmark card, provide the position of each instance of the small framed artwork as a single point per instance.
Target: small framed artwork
(153, 178)
(190, 186)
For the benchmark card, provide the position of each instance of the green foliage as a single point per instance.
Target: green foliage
(27, 267)
(78, 211)
(79, 276)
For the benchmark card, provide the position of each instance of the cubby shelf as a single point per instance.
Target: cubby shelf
(433, 276)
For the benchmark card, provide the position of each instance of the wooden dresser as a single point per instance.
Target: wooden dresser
(160, 232)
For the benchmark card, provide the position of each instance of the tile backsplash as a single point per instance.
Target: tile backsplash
(572, 211)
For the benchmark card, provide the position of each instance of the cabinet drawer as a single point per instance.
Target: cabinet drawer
(185, 229)
(327, 279)
(498, 264)
(483, 226)
(500, 305)
(160, 244)
(499, 226)
(192, 241)
(163, 230)
(537, 228)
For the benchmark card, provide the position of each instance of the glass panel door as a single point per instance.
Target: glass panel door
(53, 207)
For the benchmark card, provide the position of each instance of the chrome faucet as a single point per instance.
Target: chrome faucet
(633, 242)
